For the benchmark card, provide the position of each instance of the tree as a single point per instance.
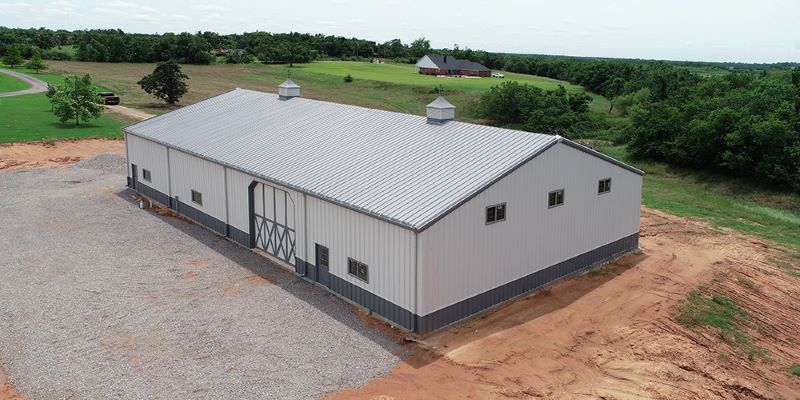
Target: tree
(796, 84)
(167, 82)
(36, 63)
(51, 95)
(420, 47)
(13, 55)
(76, 99)
(238, 56)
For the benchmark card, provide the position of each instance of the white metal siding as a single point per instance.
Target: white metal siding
(192, 173)
(387, 249)
(151, 156)
(460, 256)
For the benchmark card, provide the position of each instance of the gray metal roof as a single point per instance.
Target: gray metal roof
(390, 165)
(450, 62)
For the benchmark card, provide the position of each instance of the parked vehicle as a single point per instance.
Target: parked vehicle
(496, 75)
(109, 98)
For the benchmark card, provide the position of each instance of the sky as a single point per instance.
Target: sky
(697, 30)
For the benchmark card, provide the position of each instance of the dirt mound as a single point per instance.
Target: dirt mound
(107, 162)
(50, 154)
(613, 333)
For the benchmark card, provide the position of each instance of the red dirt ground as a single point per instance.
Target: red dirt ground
(42, 154)
(612, 333)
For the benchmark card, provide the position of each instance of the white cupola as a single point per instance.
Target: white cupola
(441, 111)
(288, 89)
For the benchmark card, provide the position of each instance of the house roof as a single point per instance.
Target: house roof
(449, 62)
(393, 166)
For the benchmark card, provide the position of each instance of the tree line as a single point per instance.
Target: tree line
(744, 123)
(114, 45)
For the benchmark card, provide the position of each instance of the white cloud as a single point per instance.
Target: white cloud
(680, 29)
(125, 6)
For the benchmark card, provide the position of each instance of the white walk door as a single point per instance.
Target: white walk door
(273, 214)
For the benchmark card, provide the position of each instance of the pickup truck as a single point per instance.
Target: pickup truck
(109, 98)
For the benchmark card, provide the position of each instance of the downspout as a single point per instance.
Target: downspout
(227, 205)
(127, 158)
(305, 237)
(169, 183)
(416, 283)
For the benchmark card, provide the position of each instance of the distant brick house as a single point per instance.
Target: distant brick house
(451, 66)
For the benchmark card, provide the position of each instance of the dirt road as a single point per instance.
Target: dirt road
(42, 154)
(612, 334)
(129, 113)
(37, 86)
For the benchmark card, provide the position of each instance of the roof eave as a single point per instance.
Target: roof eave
(598, 154)
(402, 224)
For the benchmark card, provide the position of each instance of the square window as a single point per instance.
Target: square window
(358, 269)
(604, 186)
(323, 255)
(146, 174)
(496, 213)
(555, 198)
(197, 197)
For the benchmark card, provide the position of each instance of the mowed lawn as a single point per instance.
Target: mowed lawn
(28, 117)
(12, 84)
(390, 87)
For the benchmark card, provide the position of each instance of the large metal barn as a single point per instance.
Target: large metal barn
(424, 221)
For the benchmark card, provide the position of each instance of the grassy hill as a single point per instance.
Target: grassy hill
(28, 117)
(394, 87)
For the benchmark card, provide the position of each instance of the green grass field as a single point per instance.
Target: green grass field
(723, 201)
(405, 74)
(28, 117)
(12, 84)
(393, 87)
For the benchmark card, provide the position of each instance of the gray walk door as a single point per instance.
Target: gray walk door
(274, 222)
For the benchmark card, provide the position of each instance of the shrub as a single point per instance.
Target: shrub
(348, 78)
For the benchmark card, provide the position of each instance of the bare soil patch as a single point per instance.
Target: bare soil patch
(612, 333)
(7, 390)
(51, 154)
(129, 113)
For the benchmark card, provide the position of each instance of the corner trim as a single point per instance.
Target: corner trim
(592, 152)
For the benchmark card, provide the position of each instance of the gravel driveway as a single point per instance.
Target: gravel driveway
(102, 300)
(37, 86)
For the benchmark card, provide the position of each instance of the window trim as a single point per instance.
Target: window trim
(358, 263)
(200, 197)
(563, 198)
(486, 215)
(327, 251)
(147, 175)
(598, 186)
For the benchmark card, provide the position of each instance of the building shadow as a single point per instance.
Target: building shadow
(315, 295)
